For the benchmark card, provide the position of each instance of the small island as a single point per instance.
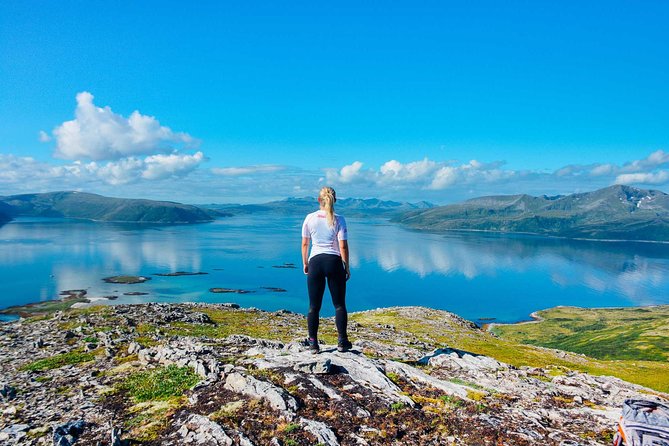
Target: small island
(229, 290)
(180, 273)
(126, 280)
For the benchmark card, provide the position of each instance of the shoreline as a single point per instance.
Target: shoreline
(534, 316)
(533, 234)
(8, 316)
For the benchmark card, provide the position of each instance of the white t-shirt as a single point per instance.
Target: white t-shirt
(324, 239)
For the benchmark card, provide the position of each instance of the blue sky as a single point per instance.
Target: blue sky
(251, 101)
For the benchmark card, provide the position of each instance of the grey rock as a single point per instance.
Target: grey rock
(319, 366)
(134, 347)
(181, 315)
(364, 371)
(66, 434)
(7, 392)
(329, 391)
(243, 440)
(116, 440)
(248, 385)
(15, 432)
(415, 375)
(453, 358)
(201, 369)
(145, 355)
(321, 431)
(200, 430)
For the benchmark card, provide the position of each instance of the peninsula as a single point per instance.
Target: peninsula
(613, 213)
(94, 207)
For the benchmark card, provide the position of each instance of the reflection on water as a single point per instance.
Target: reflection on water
(639, 271)
(475, 275)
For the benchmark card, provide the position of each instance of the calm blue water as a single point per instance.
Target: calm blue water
(476, 276)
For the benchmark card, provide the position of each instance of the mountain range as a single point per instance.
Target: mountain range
(353, 207)
(98, 208)
(615, 212)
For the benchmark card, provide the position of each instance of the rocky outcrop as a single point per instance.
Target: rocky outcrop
(277, 397)
(198, 429)
(65, 381)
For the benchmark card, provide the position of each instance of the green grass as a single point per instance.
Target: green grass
(56, 361)
(147, 420)
(146, 341)
(160, 384)
(438, 329)
(452, 401)
(44, 379)
(462, 382)
(42, 308)
(264, 325)
(291, 427)
(396, 407)
(637, 334)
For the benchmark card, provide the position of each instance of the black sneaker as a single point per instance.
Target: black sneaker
(313, 346)
(344, 345)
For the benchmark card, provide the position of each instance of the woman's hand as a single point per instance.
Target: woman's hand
(347, 270)
(305, 268)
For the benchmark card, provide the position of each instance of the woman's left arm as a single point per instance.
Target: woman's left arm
(343, 248)
(305, 255)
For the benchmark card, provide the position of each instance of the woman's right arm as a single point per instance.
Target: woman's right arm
(343, 249)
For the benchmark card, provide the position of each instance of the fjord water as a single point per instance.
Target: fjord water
(481, 277)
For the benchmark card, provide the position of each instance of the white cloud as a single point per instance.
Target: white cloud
(602, 169)
(439, 181)
(349, 174)
(425, 174)
(246, 170)
(651, 170)
(656, 159)
(97, 133)
(660, 177)
(29, 175)
(444, 177)
(15, 170)
(122, 171)
(166, 166)
(44, 136)
(394, 171)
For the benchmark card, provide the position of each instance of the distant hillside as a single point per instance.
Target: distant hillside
(616, 213)
(98, 208)
(5, 213)
(353, 207)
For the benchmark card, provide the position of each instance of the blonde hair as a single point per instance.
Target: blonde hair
(327, 197)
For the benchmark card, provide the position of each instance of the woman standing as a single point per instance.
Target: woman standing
(328, 260)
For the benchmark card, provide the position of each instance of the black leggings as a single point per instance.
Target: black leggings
(330, 266)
